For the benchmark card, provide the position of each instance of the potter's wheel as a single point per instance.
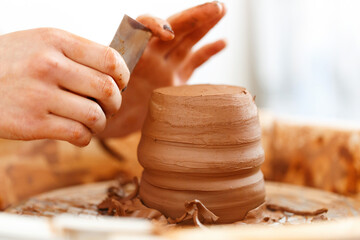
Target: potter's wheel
(84, 198)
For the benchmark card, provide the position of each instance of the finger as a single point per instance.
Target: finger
(88, 82)
(159, 27)
(199, 57)
(185, 21)
(60, 128)
(189, 21)
(102, 58)
(69, 105)
(183, 47)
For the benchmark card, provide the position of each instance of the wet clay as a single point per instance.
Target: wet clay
(202, 142)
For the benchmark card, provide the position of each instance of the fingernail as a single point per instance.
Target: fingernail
(219, 5)
(124, 89)
(168, 28)
(217, 2)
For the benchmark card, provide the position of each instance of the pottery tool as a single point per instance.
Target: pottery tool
(130, 40)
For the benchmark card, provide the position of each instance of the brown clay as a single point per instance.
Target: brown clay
(202, 142)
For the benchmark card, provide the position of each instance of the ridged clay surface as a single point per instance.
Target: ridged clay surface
(202, 142)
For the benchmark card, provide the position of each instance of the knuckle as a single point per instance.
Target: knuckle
(93, 114)
(108, 87)
(125, 76)
(85, 140)
(77, 132)
(96, 117)
(116, 104)
(111, 60)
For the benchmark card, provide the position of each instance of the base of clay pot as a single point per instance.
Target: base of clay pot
(230, 205)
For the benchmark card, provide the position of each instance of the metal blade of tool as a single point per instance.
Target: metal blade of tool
(130, 40)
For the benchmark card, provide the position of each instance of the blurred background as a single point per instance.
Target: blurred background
(299, 57)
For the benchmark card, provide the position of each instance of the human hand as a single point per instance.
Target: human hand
(56, 85)
(168, 60)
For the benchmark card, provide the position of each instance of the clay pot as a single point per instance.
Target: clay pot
(202, 142)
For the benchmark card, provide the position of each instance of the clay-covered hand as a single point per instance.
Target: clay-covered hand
(168, 60)
(56, 85)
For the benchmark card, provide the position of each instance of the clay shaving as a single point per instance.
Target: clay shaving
(196, 210)
(117, 204)
(274, 207)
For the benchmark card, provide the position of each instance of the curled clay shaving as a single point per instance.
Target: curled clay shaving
(197, 211)
(117, 204)
(113, 207)
(116, 192)
(135, 193)
(256, 215)
(274, 207)
(114, 203)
